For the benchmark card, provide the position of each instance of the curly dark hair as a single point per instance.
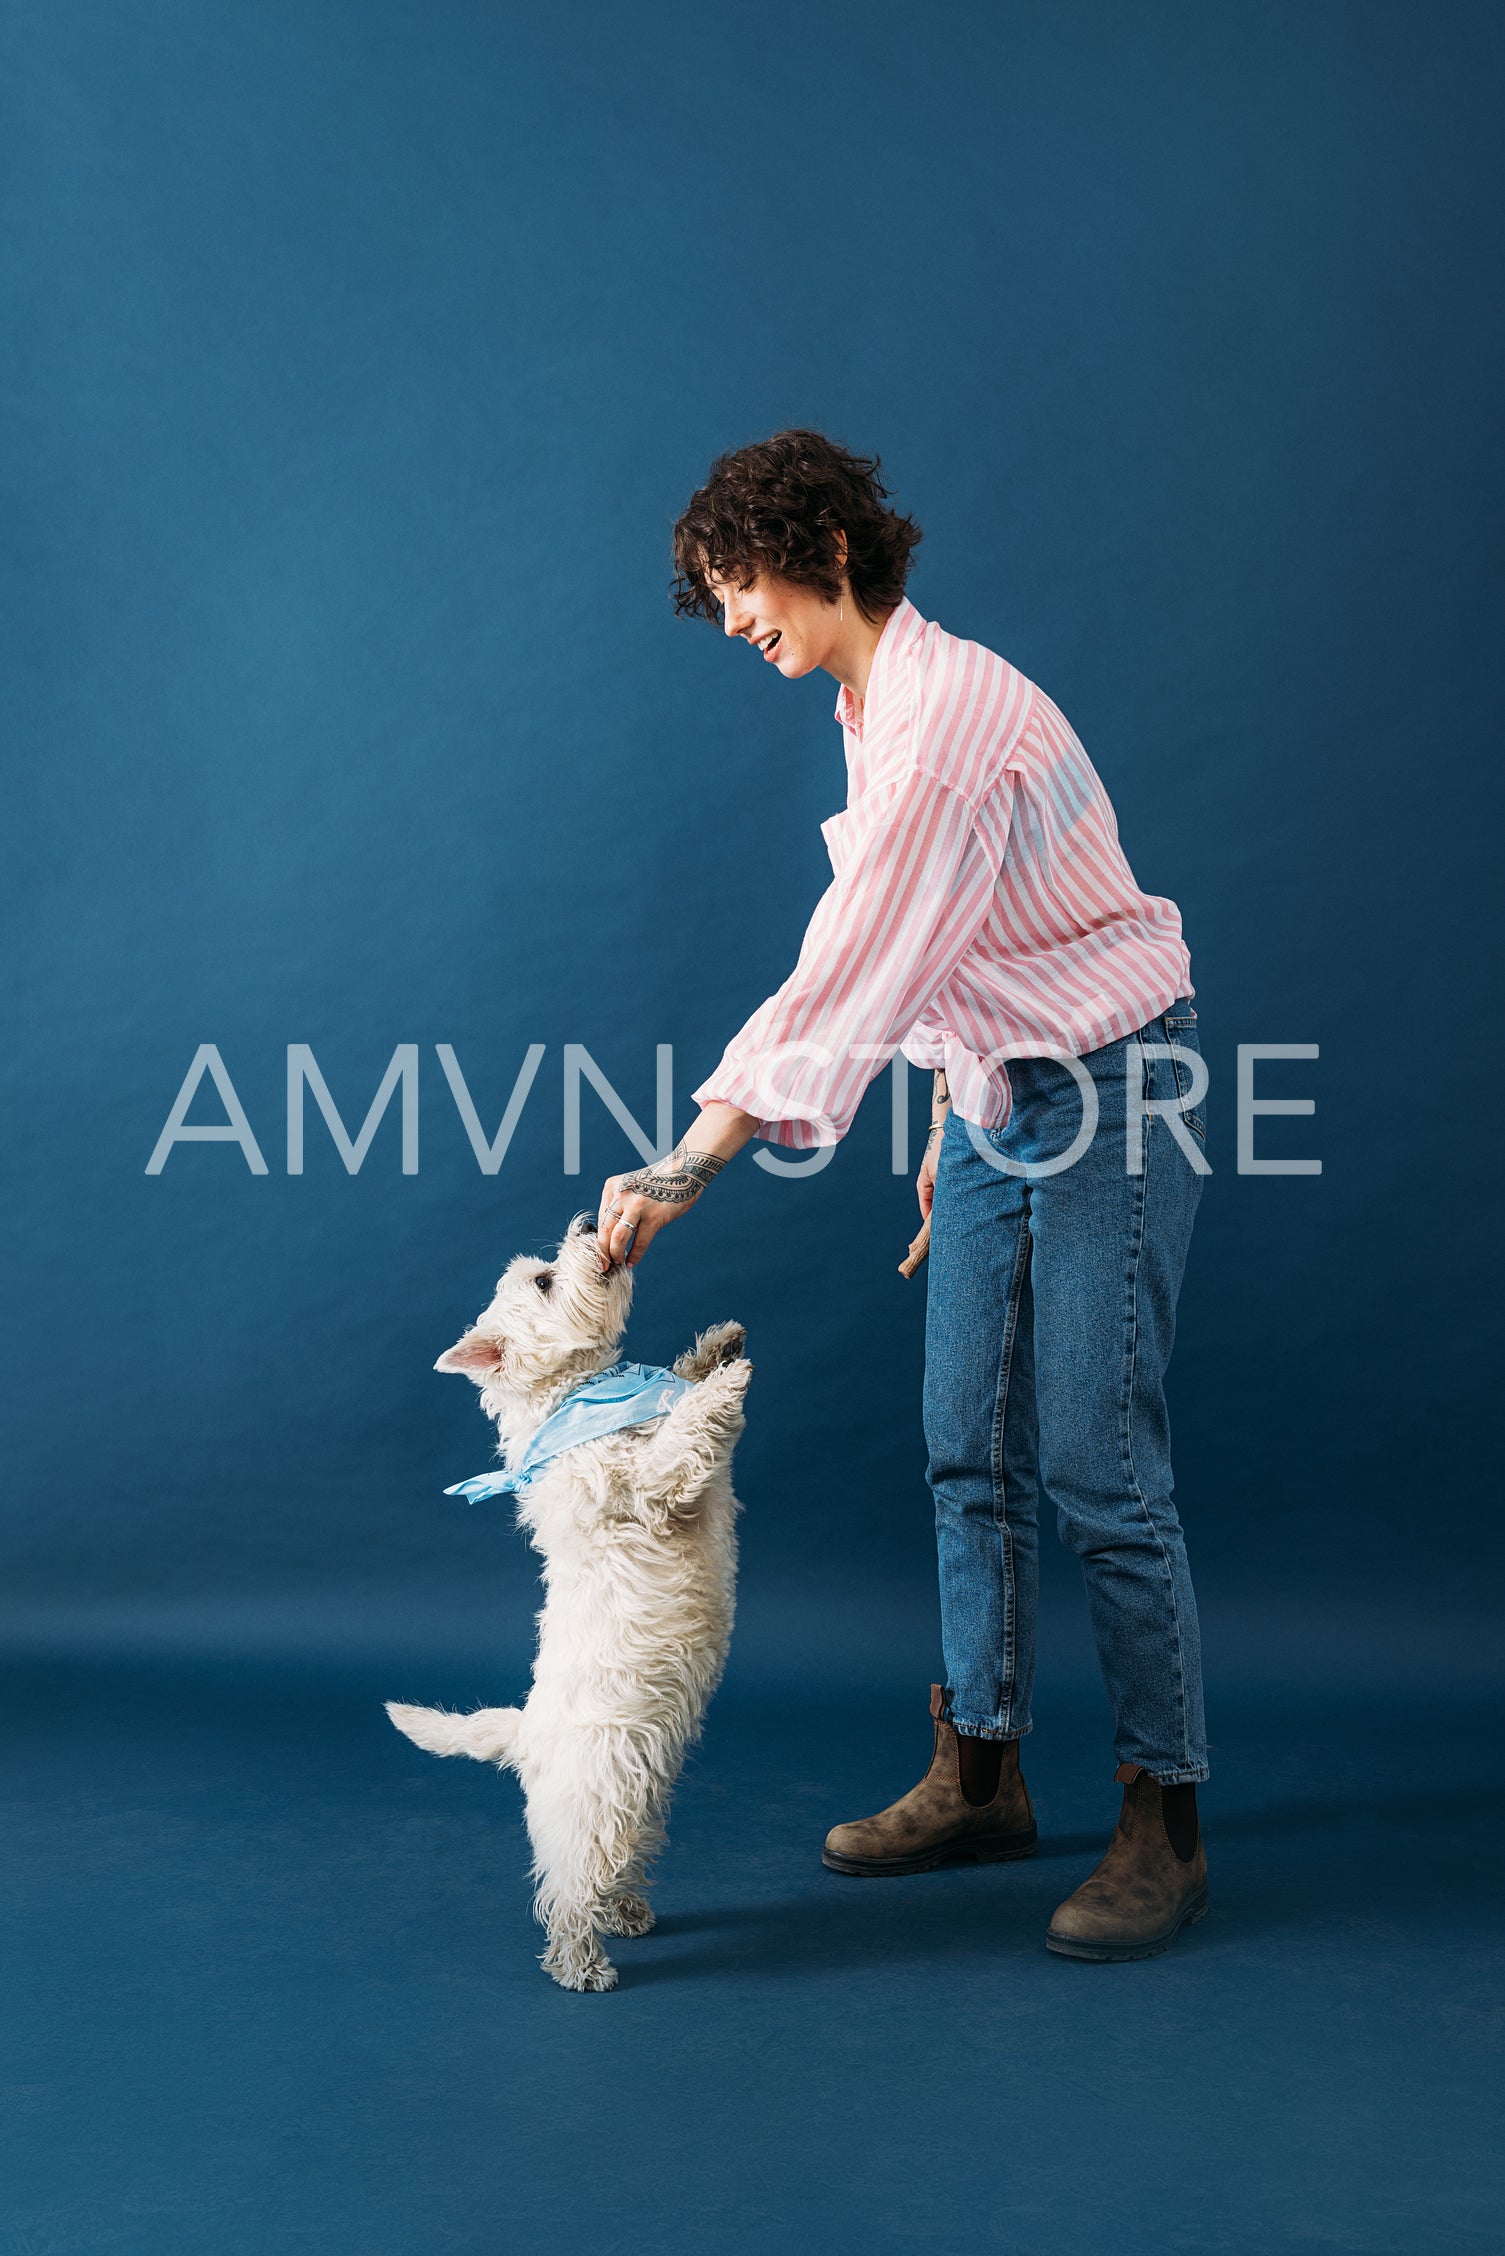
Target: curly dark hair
(776, 507)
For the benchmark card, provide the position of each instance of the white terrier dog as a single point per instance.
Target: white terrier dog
(637, 1533)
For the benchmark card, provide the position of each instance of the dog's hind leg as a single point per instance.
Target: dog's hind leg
(627, 1909)
(595, 1818)
(575, 1828)
(629, 1914)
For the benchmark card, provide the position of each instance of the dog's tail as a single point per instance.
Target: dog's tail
(489, 1734)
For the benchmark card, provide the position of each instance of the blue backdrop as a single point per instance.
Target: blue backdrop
(357, 359)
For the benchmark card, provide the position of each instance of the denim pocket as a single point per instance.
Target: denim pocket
(1180, 1027)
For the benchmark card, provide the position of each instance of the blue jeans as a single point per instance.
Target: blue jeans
(1051, 1312)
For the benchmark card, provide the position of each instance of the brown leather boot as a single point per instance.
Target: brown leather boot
(1143, 1893)
(935, 1823)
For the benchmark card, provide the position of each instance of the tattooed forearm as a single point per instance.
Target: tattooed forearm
(676, 1180)
(941, 1093)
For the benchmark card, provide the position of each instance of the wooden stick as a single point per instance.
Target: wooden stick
(909, 1266)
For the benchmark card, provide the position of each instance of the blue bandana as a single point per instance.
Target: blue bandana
(629, 1394)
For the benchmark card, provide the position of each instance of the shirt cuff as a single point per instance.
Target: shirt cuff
(733, 1085)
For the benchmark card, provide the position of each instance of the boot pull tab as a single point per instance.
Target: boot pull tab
(1126, 1773)
(937, 1700)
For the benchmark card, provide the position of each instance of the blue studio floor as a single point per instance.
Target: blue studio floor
(272, 1986)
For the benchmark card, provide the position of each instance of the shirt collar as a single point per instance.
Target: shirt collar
(899, 630)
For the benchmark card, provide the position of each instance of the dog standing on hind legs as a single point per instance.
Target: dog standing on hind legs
(636, 1526)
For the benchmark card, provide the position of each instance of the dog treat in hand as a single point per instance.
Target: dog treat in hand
(919, 1247)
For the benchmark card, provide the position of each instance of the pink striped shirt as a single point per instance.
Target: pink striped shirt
(980, 906)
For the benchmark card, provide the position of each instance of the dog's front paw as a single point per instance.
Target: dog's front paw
(712, 1348)
(728, 1382)
(628, 1915)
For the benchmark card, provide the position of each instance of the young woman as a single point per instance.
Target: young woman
(983, 919)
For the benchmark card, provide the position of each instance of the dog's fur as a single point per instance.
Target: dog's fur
(637, 1533)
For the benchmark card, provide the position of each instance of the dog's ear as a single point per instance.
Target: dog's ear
(476, 1356)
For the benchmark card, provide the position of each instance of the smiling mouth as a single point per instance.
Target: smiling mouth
(772, 644)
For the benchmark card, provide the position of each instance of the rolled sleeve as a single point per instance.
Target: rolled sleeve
(925, 1045)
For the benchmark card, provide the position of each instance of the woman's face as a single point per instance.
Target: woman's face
(794, 628)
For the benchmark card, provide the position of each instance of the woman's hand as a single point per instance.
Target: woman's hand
(940, 1105)
(636, 1206)
(925, 1180)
